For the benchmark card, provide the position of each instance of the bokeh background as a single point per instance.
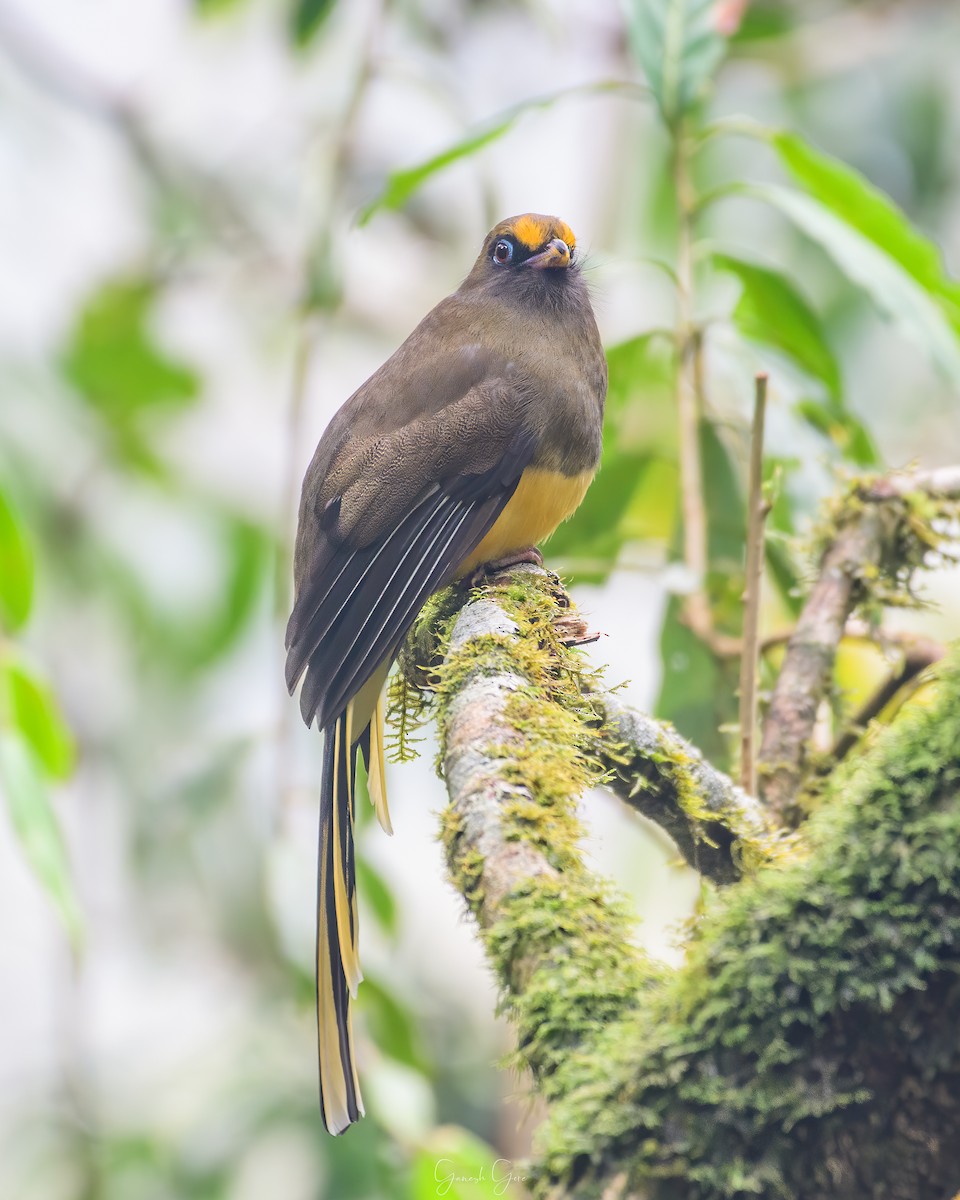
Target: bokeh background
(191, 282)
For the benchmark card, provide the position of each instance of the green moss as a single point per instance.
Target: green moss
(410, 692)
(559, 942)
(563, 955)
(469, 879)
(911, 529)
(815, 1015)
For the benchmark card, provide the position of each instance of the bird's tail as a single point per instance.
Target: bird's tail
(338, 963)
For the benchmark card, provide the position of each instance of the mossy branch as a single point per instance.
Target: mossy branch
(880, 531)
(517, 753)
(525, 730)
(720, 830)
(808, 1046)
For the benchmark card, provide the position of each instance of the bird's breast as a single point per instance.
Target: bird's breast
(543, 500)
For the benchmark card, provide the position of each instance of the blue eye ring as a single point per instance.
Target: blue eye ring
(502, 252)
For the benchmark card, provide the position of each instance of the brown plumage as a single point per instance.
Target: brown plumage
(474, 440)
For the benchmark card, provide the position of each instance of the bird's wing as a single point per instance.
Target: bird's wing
(390, 522)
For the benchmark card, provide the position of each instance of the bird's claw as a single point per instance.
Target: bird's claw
(503, 566)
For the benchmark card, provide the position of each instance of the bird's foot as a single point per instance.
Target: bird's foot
(503, 566)
(571, 626)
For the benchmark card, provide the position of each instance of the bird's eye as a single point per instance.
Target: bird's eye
(503, 252)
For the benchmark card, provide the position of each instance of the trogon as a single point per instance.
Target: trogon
(469, 445)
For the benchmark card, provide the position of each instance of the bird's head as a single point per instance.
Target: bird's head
(526, 256)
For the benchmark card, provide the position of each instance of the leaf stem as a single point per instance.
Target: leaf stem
(688, 396)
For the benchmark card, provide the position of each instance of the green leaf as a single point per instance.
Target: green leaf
(402, 184)
(248, 550)
(894, 291)
(391, 1025)
(633, 499)
(761, 22)
(27, 704)
(679, 47)
(651, 515)
(640, 392)
(694, 686)
(773, 312)
(114, 363)
(306, 18)
(377, 893)
(16, 569)
(847, 432)
(857, 202)
(35, 824)
(723, 496)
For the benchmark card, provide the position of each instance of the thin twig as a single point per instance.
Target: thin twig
(757, 509)
(689, 383)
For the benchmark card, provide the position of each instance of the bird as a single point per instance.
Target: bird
(469, 445)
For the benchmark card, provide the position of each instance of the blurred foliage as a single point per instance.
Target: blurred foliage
(117, 369)
(16, 569)
(36, 747)
(402, 185)
(637, 487)
(25, 786)
(146, 635)
(307, 18)
(678, 46)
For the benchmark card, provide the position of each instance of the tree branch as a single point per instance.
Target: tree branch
(689, 399)
(524, 731)
(807, 1046)
(795, 1004)
(720, 830)
(516, 742)
(880, 534)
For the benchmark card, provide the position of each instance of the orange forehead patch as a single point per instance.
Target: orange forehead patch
(533, 230)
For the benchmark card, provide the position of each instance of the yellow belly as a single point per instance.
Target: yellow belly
(542, 500)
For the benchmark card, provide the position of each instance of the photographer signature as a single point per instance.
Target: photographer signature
(501, 1176)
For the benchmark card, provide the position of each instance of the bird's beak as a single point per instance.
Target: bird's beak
(556, 253)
